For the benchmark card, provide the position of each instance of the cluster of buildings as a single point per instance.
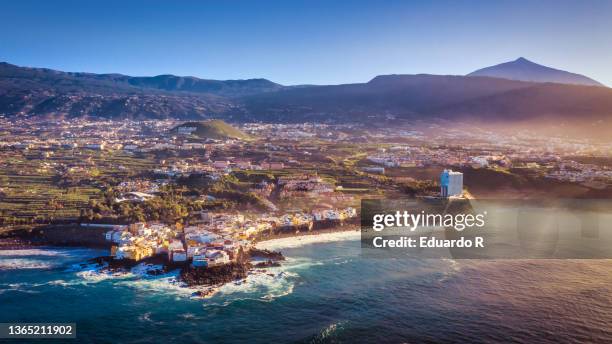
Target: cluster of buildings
(307, 220)
(299, 132)
(408, 156)
(138, 190)
(207, 249)
(200, 246)
(185, 167)
(82, 133)
(239, 227)
(581, 173)
(141, 240)
(213, 239)
(140, 185)
(303, 185)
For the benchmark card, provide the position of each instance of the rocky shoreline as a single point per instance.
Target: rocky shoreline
(210, 277)
(16, 244)
(216, 275)
(64, 235)
(73, 235)
(193, 276)
(266, 254)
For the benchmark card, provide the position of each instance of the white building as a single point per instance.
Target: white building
(481, 160)
(179, 255)
(451, 183)
(216, 258)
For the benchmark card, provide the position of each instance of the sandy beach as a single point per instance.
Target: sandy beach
(301, 240)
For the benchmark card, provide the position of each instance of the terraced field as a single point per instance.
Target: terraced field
(38, 189)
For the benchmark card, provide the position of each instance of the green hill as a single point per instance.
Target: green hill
(213, 129)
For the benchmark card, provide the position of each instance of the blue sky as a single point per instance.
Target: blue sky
(305, 42)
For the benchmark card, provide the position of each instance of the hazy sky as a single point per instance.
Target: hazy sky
(305, 42)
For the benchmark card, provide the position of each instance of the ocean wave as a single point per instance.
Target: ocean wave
(451, 269)
(146, 317)
(137, 277)
(25, 288)
(329, 332)
(64, 283)
(341, 261)
(145, 269)
(100, 275)
(24, 263)
(187, 316)
(28, 287)
(50, 252)
(260, 284)
(265, 285)
(300, 263)
(41, 258)
(167, 284)
(29, 252)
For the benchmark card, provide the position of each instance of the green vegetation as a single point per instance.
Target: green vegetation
(214, 129)
(170, 207)
(35, 190)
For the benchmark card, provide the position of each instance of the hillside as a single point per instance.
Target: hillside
(544, 101)
(43, 78)
(436, 96)
(406, 96)
(44, 92)
(48, 93)
(212, 129)
(525, 70)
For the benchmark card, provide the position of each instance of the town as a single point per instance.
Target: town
(157, 178)
(216, 239)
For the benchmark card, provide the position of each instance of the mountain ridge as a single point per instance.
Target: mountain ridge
(163, 82)
(42, 92)
(524, 70)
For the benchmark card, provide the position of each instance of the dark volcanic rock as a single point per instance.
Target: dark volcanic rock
(267, 264)
(59, 235)
(215, 275)
(270, 255)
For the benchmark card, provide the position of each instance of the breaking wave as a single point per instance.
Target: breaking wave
(24, 263)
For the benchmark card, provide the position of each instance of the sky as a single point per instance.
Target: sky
(305, 42)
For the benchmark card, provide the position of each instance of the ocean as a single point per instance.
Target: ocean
(326, 292)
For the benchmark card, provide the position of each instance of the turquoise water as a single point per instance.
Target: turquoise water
(326, 292)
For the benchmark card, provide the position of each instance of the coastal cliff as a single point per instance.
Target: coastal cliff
(234, 271)
(57, 235)
(194, 276)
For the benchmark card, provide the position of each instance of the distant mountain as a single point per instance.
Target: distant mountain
(213, 129)
(228, 88)
(540, 101)
(407, 96)
(41, 91)
(114, 83)
(525, 70)
(45, 92)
